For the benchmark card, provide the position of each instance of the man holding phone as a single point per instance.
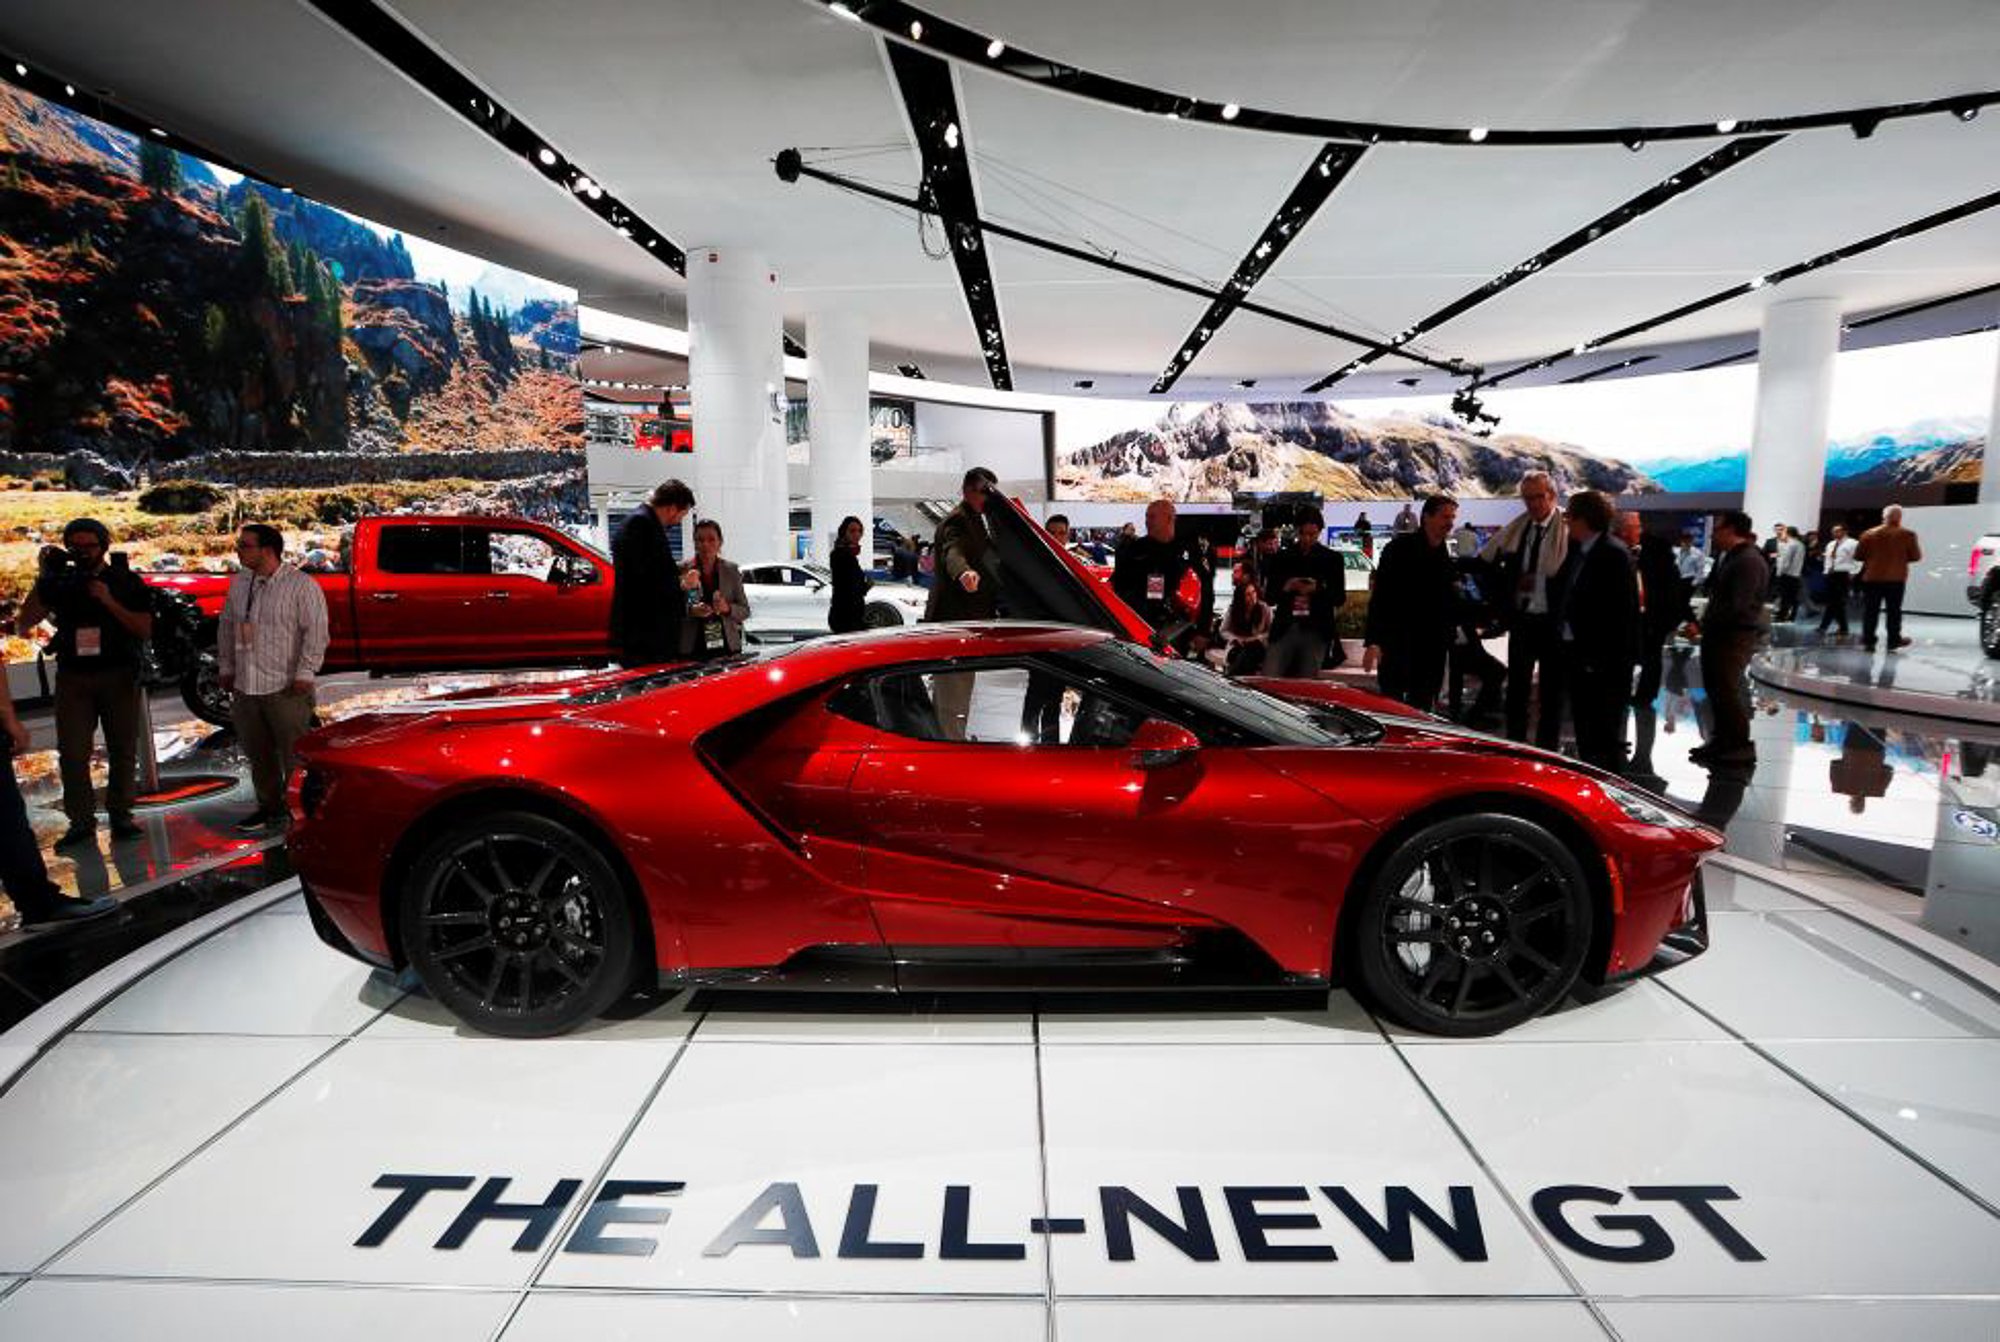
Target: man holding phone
(103, 613)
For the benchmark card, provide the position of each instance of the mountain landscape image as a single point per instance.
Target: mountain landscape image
(1205, 453)
(151, 313)
(1924, 452)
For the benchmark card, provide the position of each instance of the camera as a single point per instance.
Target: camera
(56, 564)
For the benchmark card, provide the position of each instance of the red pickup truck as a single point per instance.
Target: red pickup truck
(422, 593)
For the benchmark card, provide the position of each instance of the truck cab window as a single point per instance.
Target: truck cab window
(422, 549)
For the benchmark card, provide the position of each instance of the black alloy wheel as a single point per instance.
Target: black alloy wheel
(1472, 926)
(880, 615)
(1989, 623)
(518, 925)
(202, 692)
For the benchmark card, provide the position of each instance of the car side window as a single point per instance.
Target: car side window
(1000, 705)
(760, 576)
(521, 554)
(421, 549)
(795, 577)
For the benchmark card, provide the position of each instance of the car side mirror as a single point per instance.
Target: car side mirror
(818, 586)
(1159, 744)
(574, 573)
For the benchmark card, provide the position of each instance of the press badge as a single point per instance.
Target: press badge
(1301, 604)
(1156, 587)
(711, 635)
(90, 641)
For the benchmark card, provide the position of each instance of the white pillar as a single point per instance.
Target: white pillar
(1794, 394)
(837, 417)
(736, 379)
(1989, 473)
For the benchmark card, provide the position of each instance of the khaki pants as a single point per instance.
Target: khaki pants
(83, 700)
(268, 726)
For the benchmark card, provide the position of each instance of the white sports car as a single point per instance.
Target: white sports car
(790, 600)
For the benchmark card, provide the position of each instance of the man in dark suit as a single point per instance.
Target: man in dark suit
(1412, 613)
(1731, 627)
(967, 587)
(646, 600)
(1147, 572)
(1595, 601)
(1662, 601)
(968, 570)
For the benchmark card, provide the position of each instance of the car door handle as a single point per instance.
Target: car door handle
(498, 596)
(385, 596)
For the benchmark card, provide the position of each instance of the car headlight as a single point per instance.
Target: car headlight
(1646, 811)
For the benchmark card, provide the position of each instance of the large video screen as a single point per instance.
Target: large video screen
(1902, 416)
(163, 319)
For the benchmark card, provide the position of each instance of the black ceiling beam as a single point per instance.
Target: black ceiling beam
(791, 167)
(1328, 170)
(910, 24)
(924, 81)
(1638, 207)
(1939, 219)
(404, 48)
(1610, 368)
(1927, 305)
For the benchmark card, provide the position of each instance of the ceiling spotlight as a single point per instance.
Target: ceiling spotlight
(1246, 383)
(1408, 381)
(910, 370)
(69, 91)
(1864, 126)
(1476, 134)
(1757, 282)
(1726, 125)
(1967, 112)
(20, 69)
(951, 135)
(916, 30)
(995, 49)
(158, 132)
(595, 191)
(1634, 142)
(1325, 169)
(1229, 111)
(546, 155)
(1085, 383)
(843, 11)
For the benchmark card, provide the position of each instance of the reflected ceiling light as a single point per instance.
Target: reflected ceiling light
(916, 30)
(1229, 111)
(20, 69)
(995, 49)
(1726, 125)
(1476, 134)
(951, 135)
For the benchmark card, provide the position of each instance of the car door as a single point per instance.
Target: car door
(1004, 810)
(546, 601)
(783, 599)
(414, 599)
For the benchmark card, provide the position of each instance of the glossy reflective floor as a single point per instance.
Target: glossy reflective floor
(1793, 1136)
(1943, 673)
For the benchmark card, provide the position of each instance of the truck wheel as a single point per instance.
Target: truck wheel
(1989, 623)
(881, 615)
(201, 689)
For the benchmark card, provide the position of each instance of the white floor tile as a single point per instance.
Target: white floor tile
(418, 1016)
(734, 1119)
(1324, 1320)
(562, 1317)
(259, 976)
(1823, 976)
(1831, 1208)
(1728, 890)
(1154, 1119)
(892, 1022)
(1341, 1021)
(1820, 1320)
(99, 1117)
(116, 1311)
(1641, 1010)
(287, 1193)
(294, 907)
(1940, 1098)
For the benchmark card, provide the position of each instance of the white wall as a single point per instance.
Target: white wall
(1006, 442)
(1937, 582)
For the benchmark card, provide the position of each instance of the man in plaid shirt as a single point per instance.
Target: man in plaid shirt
(272, 641)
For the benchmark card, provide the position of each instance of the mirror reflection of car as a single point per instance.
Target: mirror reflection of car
(791, 598)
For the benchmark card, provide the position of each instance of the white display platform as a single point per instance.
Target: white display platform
(1796, 1135)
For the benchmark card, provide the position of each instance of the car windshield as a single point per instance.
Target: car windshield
(820, 571)
(1252, 712)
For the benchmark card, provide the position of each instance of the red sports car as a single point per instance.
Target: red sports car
(1023, 804)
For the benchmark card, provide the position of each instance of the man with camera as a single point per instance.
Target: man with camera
(102, 614)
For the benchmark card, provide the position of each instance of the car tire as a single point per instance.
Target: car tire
(202, 692)
(518, 925)
(1471, 926)
(1989, 623)
(880, 615)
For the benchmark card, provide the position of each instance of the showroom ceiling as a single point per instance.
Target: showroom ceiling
(678, 110)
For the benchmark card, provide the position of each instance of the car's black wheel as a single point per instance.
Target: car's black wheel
(518, 925)
(1989, 624)
(880, 615)
(1471, 926)
(201, 689)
